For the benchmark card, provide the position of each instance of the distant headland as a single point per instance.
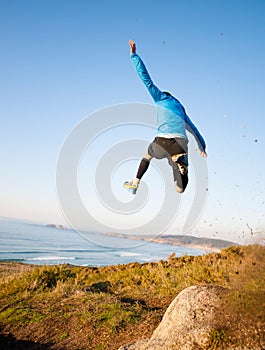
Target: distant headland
(207, 244)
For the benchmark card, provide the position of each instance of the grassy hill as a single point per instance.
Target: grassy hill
(182, 240)
(69, 307)
(198, 241)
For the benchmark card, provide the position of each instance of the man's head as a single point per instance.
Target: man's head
(167, 93)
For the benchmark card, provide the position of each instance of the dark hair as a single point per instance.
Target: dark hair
(167, 93)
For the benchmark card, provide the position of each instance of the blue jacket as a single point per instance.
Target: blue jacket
(172, 120)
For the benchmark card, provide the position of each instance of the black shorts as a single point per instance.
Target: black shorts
(163, 147)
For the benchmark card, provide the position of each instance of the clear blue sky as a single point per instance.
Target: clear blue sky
(63, 60)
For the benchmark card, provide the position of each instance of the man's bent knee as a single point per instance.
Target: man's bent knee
(147, 156)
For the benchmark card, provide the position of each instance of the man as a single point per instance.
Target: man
(171, 140)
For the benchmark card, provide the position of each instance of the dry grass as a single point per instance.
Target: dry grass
(66, 307)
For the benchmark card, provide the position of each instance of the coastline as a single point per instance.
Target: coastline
(69, 248)
(209, 245)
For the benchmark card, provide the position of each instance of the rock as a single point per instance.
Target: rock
(61, 227)
(137, 346)
(187, 323)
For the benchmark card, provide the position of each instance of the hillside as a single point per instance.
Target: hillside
(69, 307)
(181, 240)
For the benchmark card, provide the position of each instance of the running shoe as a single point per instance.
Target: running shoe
(130, 187)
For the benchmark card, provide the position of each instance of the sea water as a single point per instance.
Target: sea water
(37, 244)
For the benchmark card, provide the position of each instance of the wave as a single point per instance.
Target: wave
(49, 258)
(141, 256)
(125, 254)
(12, 260)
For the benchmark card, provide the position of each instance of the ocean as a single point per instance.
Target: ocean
(32, 243)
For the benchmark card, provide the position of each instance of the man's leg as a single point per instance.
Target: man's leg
(155, 150)
(143, 166)
(180, 174)
(179, 162)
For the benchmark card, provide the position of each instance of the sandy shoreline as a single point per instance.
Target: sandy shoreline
(179, 240)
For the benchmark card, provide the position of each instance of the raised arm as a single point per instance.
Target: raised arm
(143, 73)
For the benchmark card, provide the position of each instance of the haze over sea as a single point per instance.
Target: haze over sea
(37, 244)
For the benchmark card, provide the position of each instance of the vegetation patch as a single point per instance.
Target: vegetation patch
(218, 339)
(70, 307)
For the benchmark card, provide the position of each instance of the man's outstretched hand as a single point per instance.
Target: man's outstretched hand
(132, 46)
(203, 154)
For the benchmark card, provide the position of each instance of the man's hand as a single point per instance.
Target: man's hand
(132, 47)
(203, 154)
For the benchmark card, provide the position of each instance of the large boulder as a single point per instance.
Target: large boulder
(187, 323)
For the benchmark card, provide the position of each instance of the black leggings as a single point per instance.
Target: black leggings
(142, 168)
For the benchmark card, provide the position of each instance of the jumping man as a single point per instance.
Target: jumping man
(171, 140)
